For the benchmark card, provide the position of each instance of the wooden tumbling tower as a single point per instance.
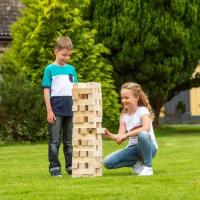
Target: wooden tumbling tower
(87, 131)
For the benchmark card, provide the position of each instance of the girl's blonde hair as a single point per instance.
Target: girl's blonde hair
(138, 92)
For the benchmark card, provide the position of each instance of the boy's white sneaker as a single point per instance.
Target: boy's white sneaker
(146, 171)
(137, 168)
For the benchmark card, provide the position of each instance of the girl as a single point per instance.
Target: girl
(135, 125)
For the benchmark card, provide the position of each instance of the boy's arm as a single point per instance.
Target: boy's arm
(50, 115)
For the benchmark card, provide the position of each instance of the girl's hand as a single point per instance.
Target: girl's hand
(107, 134)
(120, 138)
(51, 118)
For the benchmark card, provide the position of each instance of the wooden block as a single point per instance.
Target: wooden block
(84, 142)
(87, 113)
(78, 119)
(98, 165)
(94, 119)
(83, 131)
(100, 130)
(74, 165)
(76, 131)
(94, 96)
(98, 125)
(94, 108)
(87, 130)
(93, 84)
(75, 142)
(90, 130)
(83, 107)
(82, 171)
(98, 154)
(91, 142)
(81, 165)
(85, 125)
(85, 102)
(98, 172)
(99, 113)
(76, 136)
(74, 108)
(91, 154)
(98, 148)
(98, 139)
(85, 90)
(82, 96)
(83, 154)
(75, 154)
(91, 165)
(78, 85)
(75, 96)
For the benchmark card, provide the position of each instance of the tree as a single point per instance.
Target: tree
(34, 35)
(155, 43)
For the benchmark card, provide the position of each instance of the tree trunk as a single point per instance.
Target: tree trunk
(156, 119)
(157, 104)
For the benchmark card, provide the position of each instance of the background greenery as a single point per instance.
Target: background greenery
(155, 43)
(24, 173)
(31, 50)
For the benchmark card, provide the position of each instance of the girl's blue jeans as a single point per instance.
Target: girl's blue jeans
(144, 151)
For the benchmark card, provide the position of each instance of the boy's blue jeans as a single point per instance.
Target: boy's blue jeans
(144, 151)
(61, 129)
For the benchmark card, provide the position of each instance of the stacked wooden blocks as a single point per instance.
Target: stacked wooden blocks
(87, 131)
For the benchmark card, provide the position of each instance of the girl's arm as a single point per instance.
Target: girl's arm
(121, 132)
(50, 115)
(145, 119)
(109, 135)
(122, 128)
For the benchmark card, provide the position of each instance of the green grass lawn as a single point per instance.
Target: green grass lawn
(24, 173)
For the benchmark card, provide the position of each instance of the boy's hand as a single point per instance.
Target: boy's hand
(51, 118)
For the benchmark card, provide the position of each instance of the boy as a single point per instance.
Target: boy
(58, 81)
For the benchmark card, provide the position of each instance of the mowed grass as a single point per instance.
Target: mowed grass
(24, 173)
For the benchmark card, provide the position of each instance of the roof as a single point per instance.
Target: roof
(9, 11)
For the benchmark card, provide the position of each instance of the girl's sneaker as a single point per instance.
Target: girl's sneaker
(146, 171)
(137, 168)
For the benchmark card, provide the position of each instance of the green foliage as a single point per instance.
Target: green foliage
(154, 43)
(21, 110)
(34, 35)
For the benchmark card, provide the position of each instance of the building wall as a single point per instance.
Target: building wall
(170, 115)
(191, 99)
(9, 12)
(195, 98)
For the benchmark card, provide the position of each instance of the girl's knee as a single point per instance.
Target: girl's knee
(107, 164)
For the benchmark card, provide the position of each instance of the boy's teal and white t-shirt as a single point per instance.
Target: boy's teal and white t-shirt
(60, 80)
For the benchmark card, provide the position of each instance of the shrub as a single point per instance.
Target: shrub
(22, 112)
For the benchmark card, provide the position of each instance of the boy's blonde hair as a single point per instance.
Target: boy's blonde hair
(138, 92)
(63, 43)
